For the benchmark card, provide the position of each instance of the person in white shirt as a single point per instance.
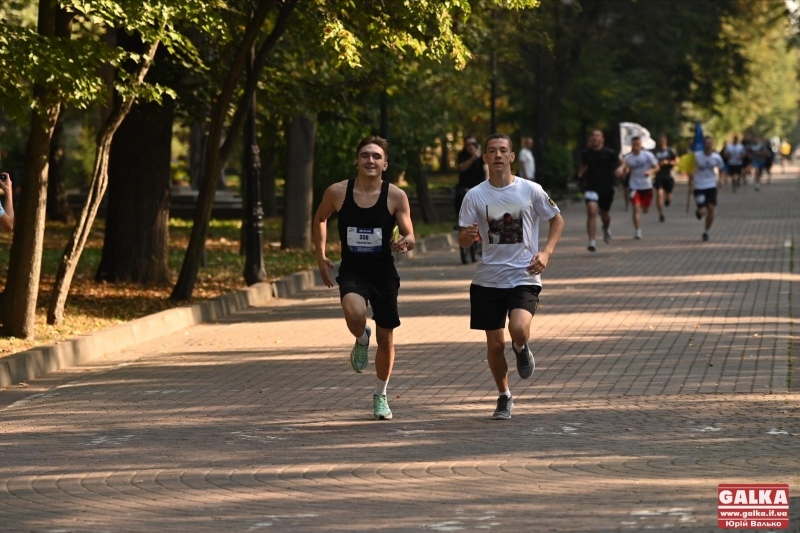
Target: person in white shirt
(641, 165)
(527, 164)
(704, 182)
(7, 213)
(506, 211)
(735, 153)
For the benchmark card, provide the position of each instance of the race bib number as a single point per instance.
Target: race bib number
(364, 240)
(700, 198)
(591, 196)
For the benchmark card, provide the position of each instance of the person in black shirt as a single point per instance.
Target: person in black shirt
(664, 182)
(600, 166)
(472, 171)
(368, 211)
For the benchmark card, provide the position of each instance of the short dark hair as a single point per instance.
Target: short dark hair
(637, 138)
(377, 140)
(494, 136)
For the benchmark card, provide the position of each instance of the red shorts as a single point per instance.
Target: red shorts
(642, 198)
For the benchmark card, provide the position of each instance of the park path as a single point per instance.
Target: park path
(664, 367)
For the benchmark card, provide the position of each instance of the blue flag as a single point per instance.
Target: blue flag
(698, 142)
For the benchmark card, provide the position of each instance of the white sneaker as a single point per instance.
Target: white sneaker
(592, 246)
(607, 236)
(638, 234)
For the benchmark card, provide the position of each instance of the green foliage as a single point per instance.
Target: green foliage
(71, 68)
(555, 166)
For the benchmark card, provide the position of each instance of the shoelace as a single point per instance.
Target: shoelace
(502, 403)
(382, 403)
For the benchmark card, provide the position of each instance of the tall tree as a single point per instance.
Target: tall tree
(137, 216)
(22, 283)
(57, 202)
(298, 192)
(214, 158)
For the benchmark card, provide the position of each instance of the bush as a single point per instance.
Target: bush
(555, 168)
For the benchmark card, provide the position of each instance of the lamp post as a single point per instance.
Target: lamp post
(254, 213)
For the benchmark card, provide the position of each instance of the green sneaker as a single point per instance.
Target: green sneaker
(381, 407)
(359, 355)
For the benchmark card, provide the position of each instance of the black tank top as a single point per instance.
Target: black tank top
(366, 235)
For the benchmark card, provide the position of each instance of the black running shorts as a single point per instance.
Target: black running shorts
(602, 198)
(668, 184)
(489, 306)
(735, 170)
(381, 296)
(705, 197)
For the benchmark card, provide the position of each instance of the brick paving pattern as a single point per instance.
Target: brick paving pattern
(664, 367)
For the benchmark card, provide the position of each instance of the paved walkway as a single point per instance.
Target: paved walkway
(664, 367)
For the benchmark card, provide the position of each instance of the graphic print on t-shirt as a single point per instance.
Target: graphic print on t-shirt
(505, 223)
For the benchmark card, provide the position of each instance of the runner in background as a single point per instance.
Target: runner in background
(704, 183)
(600, 168)
(640, 166)
(733, 154)
(664, 182)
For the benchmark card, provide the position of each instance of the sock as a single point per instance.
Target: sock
(666, 203)
(507, 394)
(516, 348)
(363, 340)
(380, 387)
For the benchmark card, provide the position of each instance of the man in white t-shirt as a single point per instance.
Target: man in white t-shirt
(527, 165)
(506, 211)
(735, 153)
(704, 182)
(641, 166)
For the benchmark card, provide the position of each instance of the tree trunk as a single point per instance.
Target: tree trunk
(57, 204)
(269, 161)
(197, 143)
(138, 190)
(444, 161)
(22, 282)
(97, 188)
(214, 158)
(420, 175)
(298, 194)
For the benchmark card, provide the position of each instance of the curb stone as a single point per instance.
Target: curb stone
(106, 344)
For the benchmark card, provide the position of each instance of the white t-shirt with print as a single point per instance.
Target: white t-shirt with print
(527, 163)
(704, 165)
(735, 153)
(508, 222)
(639, 164)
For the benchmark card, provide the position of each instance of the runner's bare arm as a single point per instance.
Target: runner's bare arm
(402, 214)
(331, 201)
(539, 262)
(622, 168)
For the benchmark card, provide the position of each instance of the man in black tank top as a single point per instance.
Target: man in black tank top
(368, 209)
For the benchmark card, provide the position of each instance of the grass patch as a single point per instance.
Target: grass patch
(92, 306)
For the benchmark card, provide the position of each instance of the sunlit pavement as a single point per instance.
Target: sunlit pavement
(664, 367)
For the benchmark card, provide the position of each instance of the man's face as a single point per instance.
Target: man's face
(735, 139)
(371, 160)
(662, 141)
(636, 145)
(528, 143)
(472, 145)
(498, 156)
(507, 219)
(708, 144)
(596, 139)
